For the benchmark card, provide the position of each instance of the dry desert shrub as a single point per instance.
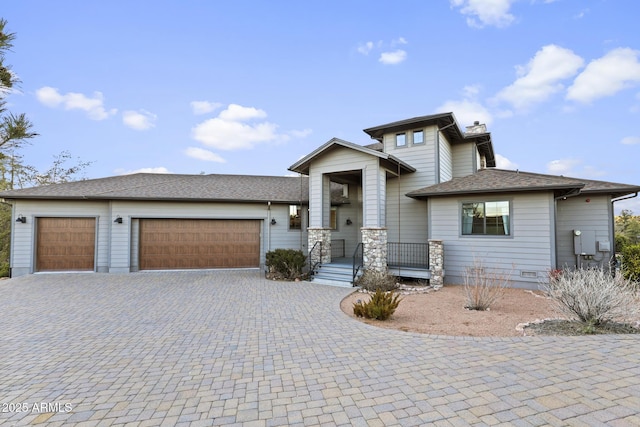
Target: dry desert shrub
(483, 286)
(593, 296)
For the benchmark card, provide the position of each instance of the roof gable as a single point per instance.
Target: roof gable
(302, 166)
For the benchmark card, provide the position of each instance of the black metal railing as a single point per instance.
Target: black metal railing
(337, 248)
(317, 247)
(358, 261)
(409, 255)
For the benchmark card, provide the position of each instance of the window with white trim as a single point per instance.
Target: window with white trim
(486, 218)
(295, 219)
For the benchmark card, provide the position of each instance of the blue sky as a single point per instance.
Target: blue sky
(248, 87)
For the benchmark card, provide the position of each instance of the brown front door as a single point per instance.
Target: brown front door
(65, 244)
(170, 244)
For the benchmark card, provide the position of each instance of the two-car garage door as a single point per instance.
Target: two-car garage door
(169, 244)
(69, 244)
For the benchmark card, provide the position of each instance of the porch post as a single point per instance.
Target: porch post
(374, 248)
(436, 263)
(322, 235)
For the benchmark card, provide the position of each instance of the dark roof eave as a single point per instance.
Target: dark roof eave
(376, 132)
(419, 195)
(158, 199)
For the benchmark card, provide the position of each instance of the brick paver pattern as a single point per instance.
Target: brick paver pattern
(231, 348)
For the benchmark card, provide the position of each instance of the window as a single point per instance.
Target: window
(401, 140)
(418, 137)
(333, 218)
(295, 219)
(486, 218)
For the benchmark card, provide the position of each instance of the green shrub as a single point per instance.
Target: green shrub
(285, 264)
(380, 306)
(631, 262)
(593, 296)
(372, 281)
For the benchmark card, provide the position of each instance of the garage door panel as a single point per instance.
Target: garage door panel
(65, 244)
(198, 244)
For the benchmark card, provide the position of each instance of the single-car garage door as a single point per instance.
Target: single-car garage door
(169, 244)
(65, 244)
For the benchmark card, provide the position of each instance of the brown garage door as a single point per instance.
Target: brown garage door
(65, 244)
(169, 244)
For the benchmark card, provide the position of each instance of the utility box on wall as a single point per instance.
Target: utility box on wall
(584, 242)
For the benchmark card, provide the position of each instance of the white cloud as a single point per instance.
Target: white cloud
(300, 133)
(631, 140)
(235, 112)
(235, 128)
(562, 167)
(392, 58)
(93, 106)
(204, 107)
(481, 13)
(388, 55)
(365, 48)
(581, 14)
(504, 163)
(160, 169)
(466, 112)
(541, 77)
(139, 120)
(618, 69)
(202, 154)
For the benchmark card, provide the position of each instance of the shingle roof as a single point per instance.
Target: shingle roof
(504, 181)
(144, 186)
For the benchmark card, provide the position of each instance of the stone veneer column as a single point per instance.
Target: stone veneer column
(323, 235)
(436, 263)
(374, 248)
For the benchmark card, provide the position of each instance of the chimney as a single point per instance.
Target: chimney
(476, 128)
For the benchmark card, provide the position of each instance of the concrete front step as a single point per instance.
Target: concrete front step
(334, 273)
(338, 283)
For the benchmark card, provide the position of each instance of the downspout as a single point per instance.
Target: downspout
(613, 219)
(268, 226)
(399, 220)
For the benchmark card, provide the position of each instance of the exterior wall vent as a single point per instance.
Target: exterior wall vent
(529, 274)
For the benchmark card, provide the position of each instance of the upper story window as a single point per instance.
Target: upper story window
(295, 218)
(486, 218)
(401, 140)
(418, 137)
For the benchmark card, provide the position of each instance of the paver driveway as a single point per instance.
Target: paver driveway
(223, 348)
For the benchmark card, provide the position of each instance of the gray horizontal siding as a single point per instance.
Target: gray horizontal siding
(576, 213)
(23, 239)
(528, 249)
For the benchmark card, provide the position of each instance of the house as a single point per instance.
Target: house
(424, 200)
